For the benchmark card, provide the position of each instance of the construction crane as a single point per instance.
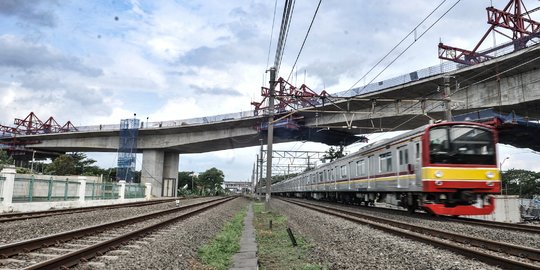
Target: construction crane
(522, 27)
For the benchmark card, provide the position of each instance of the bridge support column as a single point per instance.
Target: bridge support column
(152, 170)
(160, 168)
(170, 173)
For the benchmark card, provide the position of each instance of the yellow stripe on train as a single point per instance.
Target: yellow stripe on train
(448, 173)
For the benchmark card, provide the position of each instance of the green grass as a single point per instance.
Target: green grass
(275, 248)
(218, 253)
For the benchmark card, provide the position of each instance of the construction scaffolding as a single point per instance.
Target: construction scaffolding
(127, 149)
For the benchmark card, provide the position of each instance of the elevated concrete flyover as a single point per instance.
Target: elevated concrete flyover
(510, 83)
(160, 146)
(196, 138)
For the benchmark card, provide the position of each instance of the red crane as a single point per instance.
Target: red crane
(522, 27)
(287, 95)
(31, 124)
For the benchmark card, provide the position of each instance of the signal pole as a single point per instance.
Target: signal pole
(270, 137)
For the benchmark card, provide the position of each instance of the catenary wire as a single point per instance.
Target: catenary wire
(406, 49)
(397, 45)
(305, 38)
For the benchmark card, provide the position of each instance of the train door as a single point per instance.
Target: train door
(372, 169)
(169, 187)
(403, 167)
(418, 163)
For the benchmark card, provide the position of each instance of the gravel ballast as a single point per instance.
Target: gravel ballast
(341, 244)
(174, 247)
(484, 232)
(15, 231)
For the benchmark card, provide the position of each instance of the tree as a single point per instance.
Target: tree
(5, 159)
(524, 183)
(333, 154)
(62, 165)
(74, 164)
(82, 163)
(186, 178)
(211, 179)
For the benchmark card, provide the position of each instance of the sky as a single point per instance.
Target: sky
(97, 62)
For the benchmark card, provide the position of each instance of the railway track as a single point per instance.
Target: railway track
(73, 247)
(495, 224)
(492, 252)
(39, 214)
(477, 222)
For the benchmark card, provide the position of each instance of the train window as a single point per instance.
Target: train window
(361, 167)
(403, 155)
(352, 169)
(461, 144)
(385, 162)
(320, 176)
(417, 150)
(343, 171)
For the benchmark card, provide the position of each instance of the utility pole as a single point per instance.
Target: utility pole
(447, 106)
(253, 177)
(270, 137)
(256, 182)
(259, 185)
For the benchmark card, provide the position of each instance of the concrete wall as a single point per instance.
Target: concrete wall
(506, 210)
(7, 205)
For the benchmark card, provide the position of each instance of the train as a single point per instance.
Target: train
(446, 168)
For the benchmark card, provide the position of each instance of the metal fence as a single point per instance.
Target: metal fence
(32, 190)
(134, 191)
(102, 191)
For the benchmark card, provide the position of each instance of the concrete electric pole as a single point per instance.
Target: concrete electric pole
(270, 137)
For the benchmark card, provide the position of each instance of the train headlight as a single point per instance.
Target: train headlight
(490, 175)
(438, 174)
(489, 183)
(438, 183)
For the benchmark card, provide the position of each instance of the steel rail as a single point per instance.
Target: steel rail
(75, 257)
(485, 223)
(496, 224)
(419, 233)
(12, 249)
(38, 214)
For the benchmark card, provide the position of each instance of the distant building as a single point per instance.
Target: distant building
(238, 187)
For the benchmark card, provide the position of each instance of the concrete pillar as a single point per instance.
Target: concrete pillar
(148, 191)
(170, 171)
(152, 170)
(122, 191)
(82, 188)
(9, 183)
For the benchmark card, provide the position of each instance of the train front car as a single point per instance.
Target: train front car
(459, 172)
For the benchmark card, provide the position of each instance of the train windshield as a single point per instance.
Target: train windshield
(461, 144)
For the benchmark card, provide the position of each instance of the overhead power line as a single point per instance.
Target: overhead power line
(271, 34)
(283, 33)
(405, 50)
(305, 38)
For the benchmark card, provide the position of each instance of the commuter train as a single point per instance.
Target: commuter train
(448, 168)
